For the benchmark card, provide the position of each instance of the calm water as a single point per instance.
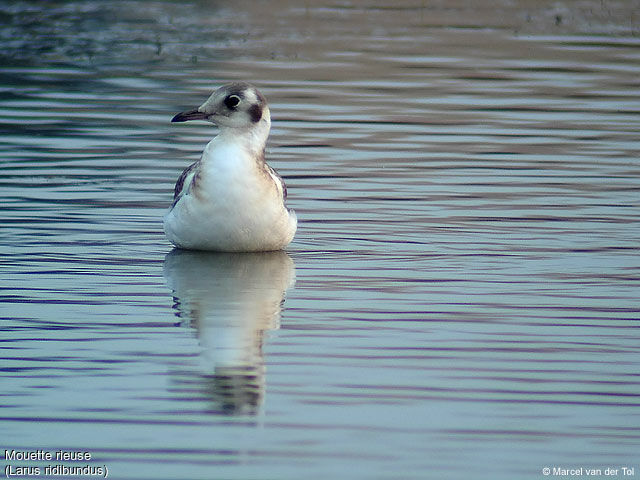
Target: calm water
(460, 301)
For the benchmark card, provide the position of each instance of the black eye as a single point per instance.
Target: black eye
(232, 101)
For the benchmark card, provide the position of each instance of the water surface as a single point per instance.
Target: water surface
(461, 298)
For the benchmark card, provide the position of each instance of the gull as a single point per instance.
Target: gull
(230, 199)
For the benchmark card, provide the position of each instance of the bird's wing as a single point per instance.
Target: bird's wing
(278, 180)
(183, 185)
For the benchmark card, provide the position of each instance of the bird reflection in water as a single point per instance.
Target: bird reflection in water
(230, 300)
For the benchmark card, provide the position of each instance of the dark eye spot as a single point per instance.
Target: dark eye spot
(232, 101)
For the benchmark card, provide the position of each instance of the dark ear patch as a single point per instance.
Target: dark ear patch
(256, 113)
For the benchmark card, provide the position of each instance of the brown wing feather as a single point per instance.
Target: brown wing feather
(276, 176)
(180, 184)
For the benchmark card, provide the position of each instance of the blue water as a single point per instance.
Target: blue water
(461, 298)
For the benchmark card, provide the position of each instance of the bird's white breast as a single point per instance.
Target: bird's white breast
(233, 204)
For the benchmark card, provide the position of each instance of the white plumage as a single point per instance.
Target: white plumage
(231, 200)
